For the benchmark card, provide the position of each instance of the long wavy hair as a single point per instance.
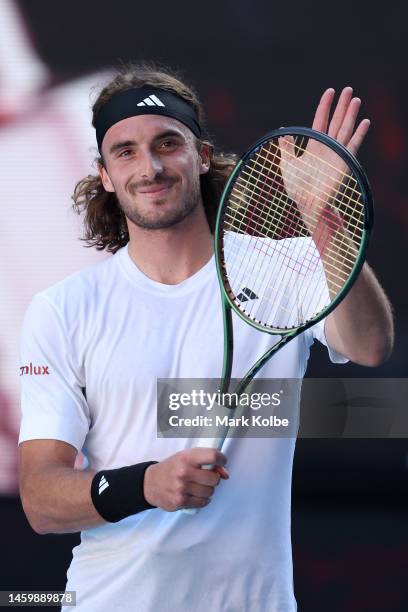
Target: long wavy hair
(104, 222)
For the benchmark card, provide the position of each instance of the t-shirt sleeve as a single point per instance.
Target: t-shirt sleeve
(318, 333)
(53, 403)
(316, 297)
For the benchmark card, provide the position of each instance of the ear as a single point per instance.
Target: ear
(205, 154)
(106, 182)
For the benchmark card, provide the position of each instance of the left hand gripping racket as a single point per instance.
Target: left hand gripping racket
(292, 231)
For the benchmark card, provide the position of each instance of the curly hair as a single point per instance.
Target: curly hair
(104, 222)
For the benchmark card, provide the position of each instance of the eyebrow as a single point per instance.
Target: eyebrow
(132, 143)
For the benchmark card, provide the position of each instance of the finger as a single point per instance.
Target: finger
(205, 477)
(224, 474)
(220, 459)
(340, 111)
(206, 456)
(321, 118)
(195, 502)
(287, 147)
(358, 136)
(197, 490)
(347, 128)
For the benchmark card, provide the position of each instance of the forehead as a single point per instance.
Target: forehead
(143, 128)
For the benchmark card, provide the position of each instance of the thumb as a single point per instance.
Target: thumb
(287, 147)
(222, 472)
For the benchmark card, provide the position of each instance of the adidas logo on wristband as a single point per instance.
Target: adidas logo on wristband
(103, 484)
(126, 492)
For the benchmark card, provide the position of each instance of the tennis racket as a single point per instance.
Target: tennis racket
(291, 235)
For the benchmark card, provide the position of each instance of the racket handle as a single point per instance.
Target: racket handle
(206, 443)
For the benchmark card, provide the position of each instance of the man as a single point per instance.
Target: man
(104, 336)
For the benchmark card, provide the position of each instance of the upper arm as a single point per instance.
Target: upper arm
(52, 377)
(334, 339)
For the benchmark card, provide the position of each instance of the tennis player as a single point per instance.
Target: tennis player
(94, 344)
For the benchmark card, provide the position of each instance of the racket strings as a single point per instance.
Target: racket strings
(286, 305)
(302, 149)
(242, 274)
(310, 170)
(261, 226)
(302, 270)
(272, 225)
(256, 284)
(332, 257)
(242, 188)
(262, 313)
(265, 151)
(354, 219)
(348, 205)
(319, 171)
(256, 180)
(285, 286)
(305, 261)
(349, 211)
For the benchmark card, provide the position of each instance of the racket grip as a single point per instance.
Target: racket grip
(206, 443)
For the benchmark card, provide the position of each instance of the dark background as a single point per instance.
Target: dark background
(258, 66)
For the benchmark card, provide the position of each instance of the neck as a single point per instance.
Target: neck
(173, 254)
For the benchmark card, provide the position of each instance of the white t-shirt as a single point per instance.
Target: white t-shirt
(113, 331)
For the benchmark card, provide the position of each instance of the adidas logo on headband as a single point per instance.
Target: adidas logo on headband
(151, 101)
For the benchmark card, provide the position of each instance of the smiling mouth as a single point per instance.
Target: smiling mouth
(157, 190)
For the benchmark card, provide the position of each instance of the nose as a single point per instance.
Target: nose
(150, 165)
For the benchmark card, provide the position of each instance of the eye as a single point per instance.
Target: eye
(168, 144)
(125, 153)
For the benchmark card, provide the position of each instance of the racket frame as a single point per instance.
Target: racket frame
(228, 304)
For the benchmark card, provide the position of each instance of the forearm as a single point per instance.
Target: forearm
(57, 500)
(361, 327)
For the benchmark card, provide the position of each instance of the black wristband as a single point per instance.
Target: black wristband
(119, 493)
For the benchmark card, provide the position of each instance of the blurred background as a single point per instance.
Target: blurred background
(257, 65)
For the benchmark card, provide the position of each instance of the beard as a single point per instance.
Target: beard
(157, 218)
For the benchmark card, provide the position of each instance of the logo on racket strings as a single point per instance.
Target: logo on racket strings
(246, 294)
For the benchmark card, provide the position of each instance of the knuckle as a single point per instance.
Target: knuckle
(179, 500)
(182, 472)
(213, 478)
(183, 456)
(179, 488)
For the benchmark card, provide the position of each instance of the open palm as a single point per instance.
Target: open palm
(313, 176)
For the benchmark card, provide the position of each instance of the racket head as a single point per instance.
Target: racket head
(265, 248)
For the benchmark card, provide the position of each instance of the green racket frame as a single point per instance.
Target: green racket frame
(227, 303)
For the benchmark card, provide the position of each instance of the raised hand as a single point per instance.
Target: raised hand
(324, 170)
